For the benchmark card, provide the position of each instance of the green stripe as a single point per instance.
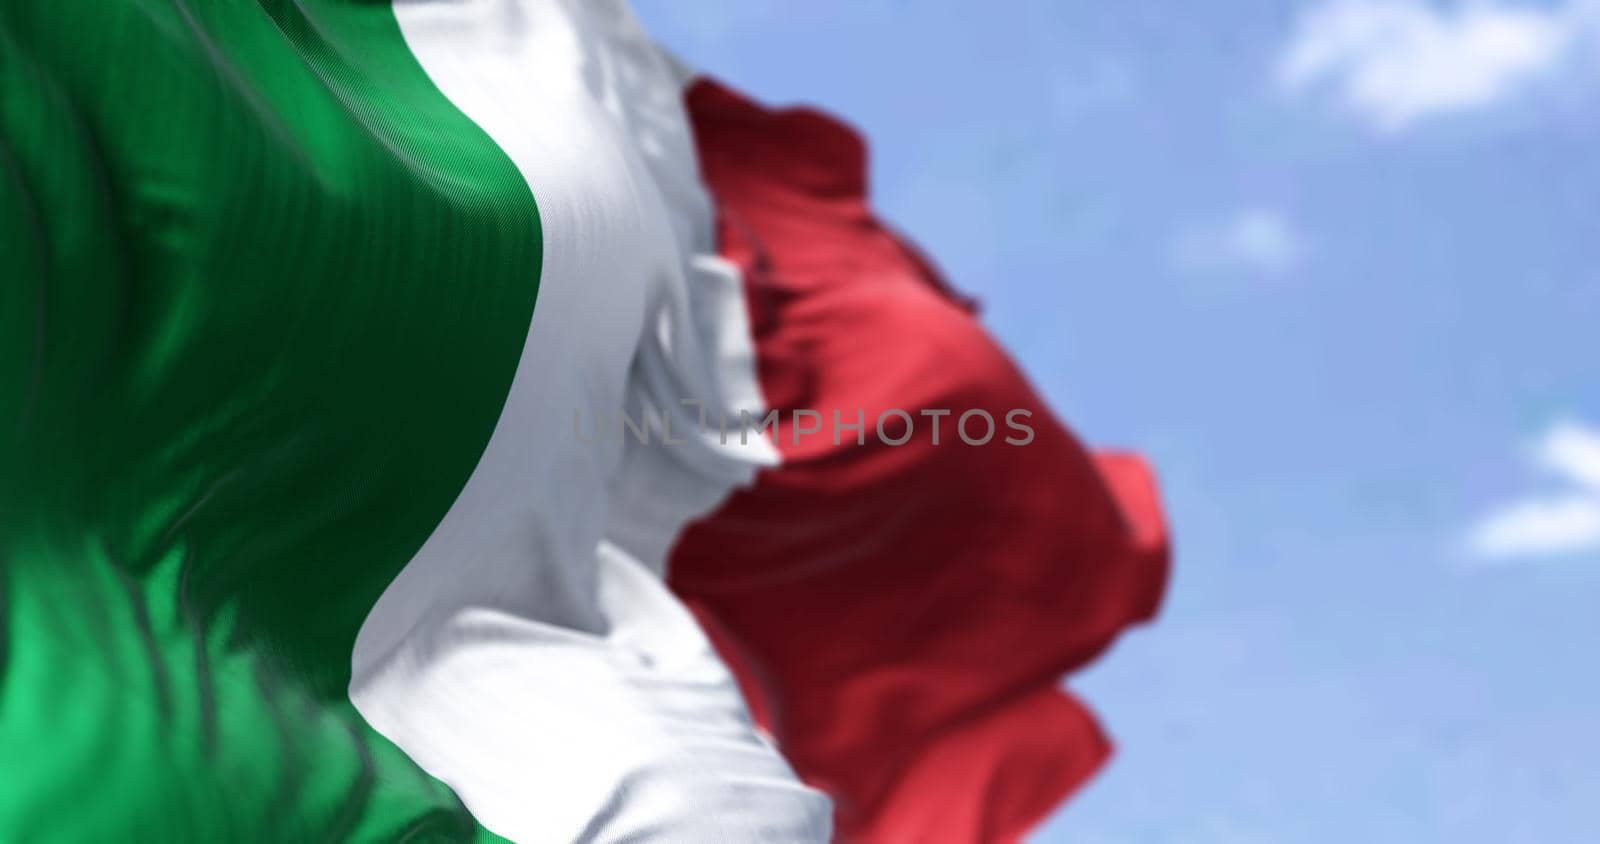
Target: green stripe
(265, 291)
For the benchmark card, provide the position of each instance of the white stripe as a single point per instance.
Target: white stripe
(529, 655)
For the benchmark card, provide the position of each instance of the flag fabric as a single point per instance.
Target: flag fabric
(366, 370)
(905, 589)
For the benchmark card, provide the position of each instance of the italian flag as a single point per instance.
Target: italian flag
(365, 472)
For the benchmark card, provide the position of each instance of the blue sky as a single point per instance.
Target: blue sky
(1332, 266)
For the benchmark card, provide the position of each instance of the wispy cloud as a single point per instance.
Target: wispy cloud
(1396, 62)
(1255, 239)
(1572, 450)
(1557, 523)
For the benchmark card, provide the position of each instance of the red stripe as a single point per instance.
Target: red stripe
(901, 616)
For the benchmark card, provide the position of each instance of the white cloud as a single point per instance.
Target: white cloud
(1540, 526)
(1396, 62)
(1572, 450)
(1254, 239)
(1564, 522)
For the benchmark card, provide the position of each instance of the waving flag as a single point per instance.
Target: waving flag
(903, 601)
(357, 366)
